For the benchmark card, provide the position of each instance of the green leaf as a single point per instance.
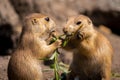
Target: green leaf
(52, 66)
(53, 40)
(117, 75)
(64, 43)
(55, 66)
(53, 56)
(64, 69)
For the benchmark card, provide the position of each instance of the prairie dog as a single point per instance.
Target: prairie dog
(24, 63)
(92, 52)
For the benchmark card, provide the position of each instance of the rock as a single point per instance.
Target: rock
(9, 21)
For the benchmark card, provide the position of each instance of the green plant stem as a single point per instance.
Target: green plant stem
(56, 66)
(116, 75)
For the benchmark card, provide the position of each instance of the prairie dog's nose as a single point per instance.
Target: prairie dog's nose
(68, 33)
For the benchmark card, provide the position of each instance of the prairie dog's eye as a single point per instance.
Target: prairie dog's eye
(47, 19)
(78, 23)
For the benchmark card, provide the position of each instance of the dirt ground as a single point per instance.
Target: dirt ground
(114, 39)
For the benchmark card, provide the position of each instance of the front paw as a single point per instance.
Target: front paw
(58, 43)
(80, 35)
(54, 34)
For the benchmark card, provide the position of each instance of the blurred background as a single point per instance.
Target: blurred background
(105, 15)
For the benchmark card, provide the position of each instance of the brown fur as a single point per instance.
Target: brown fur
(92, 52)
(24, 63)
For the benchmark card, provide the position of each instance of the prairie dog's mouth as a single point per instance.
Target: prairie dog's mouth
(69, 34)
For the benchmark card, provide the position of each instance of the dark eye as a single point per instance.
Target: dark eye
(78, 23)
(47, 19)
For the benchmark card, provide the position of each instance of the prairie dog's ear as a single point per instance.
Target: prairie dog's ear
(89, 21)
